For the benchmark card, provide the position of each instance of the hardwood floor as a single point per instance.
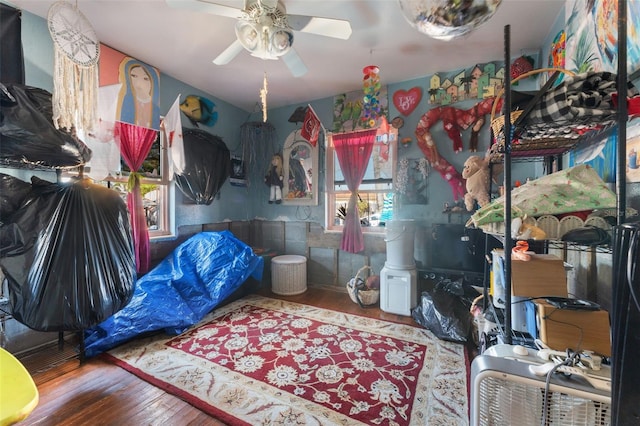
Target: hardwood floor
(98, 393)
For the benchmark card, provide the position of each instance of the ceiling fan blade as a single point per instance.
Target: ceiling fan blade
(294, 63)
(337, 28)
(229, 53)
(206, 7)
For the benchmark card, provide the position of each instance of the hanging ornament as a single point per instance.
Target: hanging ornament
(75, 79)
(371, 101)
(521, 65)
(263, 98)
(448, 19)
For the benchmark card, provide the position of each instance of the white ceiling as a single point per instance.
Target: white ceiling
(182, 43)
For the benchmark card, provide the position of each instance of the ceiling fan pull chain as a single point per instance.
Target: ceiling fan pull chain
(263, 98)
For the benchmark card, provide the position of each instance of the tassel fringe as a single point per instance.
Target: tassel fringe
(75, 91)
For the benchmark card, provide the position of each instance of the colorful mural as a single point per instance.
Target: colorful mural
(592, 35)
(479, 82)
(591, 45)
(557, 53)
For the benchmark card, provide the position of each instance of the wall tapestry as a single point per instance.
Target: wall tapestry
(479, 82)
(412, 180)
(592, 35)
(348, 110)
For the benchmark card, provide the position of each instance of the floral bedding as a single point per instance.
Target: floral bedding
(574, 189)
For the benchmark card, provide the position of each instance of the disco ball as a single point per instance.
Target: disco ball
(447, 19)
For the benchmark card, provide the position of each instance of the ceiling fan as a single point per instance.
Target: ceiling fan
(266, 30)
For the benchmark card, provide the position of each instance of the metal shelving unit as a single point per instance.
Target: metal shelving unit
(517, 153)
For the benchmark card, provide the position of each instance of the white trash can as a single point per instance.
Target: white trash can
(399, 236)
(289, 274)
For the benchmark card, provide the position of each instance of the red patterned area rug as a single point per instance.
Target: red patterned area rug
(261, 361)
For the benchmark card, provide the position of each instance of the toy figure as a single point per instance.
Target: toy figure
(274, 179)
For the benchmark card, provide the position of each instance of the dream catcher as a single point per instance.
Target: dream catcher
(75, 78)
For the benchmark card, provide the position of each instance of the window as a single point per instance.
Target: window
(157, 190)
(375, 195)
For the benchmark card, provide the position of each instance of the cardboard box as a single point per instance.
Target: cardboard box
(575, 329)
(543, 275)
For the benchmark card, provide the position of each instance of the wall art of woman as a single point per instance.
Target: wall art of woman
(139, 97)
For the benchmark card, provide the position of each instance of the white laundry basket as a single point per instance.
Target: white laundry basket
(289, 274)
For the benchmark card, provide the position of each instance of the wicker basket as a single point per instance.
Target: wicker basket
(358, 291)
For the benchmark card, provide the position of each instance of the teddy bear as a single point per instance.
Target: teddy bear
(476, 175)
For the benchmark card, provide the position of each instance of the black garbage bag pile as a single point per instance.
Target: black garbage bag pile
(445, 310)
(13, 191)
(67, 254)
(207, 166)
(27, 133)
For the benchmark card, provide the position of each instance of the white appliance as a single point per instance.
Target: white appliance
(399, 277)
(398, 290)
(505, 391)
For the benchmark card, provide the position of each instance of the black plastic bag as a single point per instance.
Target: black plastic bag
(445, 311)
(13, 191)
(28, 135)
(68, 256)
(207, 166)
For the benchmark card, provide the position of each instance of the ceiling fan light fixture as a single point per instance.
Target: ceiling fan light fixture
(281, 41)
(264, 40)
(248, 35)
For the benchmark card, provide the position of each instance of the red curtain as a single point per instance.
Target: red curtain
(353, 151)
(135, 143)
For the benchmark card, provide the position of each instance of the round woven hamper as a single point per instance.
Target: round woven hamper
(289, 274)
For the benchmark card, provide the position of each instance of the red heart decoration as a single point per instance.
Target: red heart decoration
(407, 100)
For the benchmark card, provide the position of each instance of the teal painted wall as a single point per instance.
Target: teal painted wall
(38, 53)
(243, 203)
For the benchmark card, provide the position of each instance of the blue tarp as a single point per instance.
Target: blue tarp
(199, 274)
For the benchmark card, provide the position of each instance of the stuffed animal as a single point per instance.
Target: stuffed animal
(476, 173)
(523, 229)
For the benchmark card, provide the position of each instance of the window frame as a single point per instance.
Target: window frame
(333, 193)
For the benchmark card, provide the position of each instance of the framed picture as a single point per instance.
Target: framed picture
(238, 172)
